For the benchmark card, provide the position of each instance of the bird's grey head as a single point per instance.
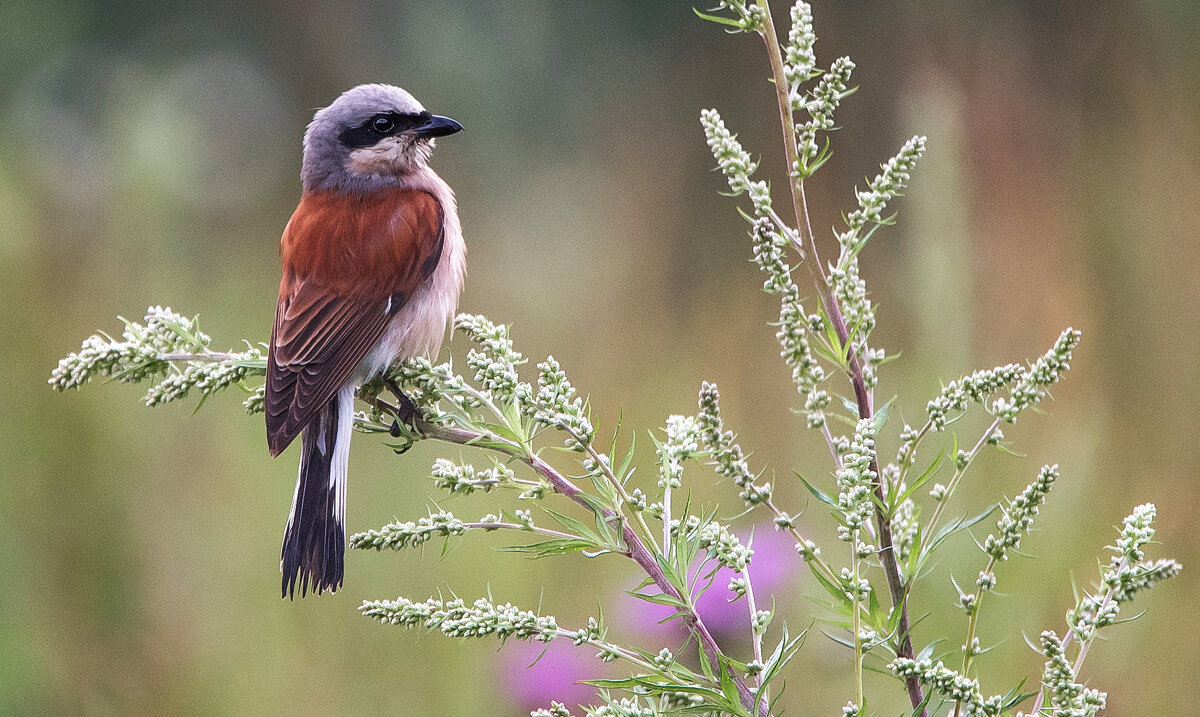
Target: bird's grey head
(369, 138)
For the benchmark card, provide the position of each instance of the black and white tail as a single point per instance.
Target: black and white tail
(314, 542)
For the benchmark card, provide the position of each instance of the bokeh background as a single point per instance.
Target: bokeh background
(149, 153)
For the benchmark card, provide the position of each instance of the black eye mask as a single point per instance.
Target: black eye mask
(377, 127)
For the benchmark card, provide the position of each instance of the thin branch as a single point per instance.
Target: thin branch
(635, 547)
(755, 636)
(522, 528)
(957, 478)
(833, 313)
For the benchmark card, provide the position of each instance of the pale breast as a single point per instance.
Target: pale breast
(419, 328)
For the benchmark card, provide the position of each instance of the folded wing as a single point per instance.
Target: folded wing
(350, 263)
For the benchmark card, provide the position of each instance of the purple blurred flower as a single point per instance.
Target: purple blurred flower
(555, 676)
(775, 562)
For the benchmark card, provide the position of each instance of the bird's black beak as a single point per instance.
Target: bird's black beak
(437, 127)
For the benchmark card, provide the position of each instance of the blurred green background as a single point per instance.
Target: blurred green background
(149, 153)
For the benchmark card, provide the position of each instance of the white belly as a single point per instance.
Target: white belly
(419, 327)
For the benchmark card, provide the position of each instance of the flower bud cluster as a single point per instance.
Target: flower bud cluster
(737, 586)
(1067, 697)
(721, 544)
(427, 384)
(851, 293)
(257, 401)
(751, 17)
(410, 534)
(905, 528)
(556, 405)
(770, 250)
(856, 480)
(587, 633)
(949, 684)
(797, 353)
(455, 618)
(760, 621)
(464, 479)
(556, 709)
(1046, 371)
(828, 93)
(664, 659)
(1017, 517)
(623, 707)
(143, 353)
(495, 361)
(1137, 532)
(733, 161)
(855, 588)
(821, 104)
(888, 184)
(961, 393)
(799, 57)
(727, 456)
(683, 442)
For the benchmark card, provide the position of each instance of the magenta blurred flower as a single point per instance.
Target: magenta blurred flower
(775, 562)
(555, 676)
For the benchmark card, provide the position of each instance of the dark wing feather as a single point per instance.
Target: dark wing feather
(342, 285)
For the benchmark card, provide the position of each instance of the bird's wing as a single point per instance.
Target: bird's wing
(350, 263)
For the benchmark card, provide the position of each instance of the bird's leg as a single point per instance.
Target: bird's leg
(407, 409)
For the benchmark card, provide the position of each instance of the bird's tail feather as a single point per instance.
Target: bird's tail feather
(314, 542)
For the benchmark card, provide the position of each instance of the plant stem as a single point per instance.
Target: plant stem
(833, 313)
(956, 479)
(635, 547)
(755, 635)
(858, 651)
(520, 528)
(972, 622)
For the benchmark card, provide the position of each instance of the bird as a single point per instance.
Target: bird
(373, 264)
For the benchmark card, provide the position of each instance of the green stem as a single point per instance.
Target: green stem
(858, 650)
(635, 546)
(521, 528)
(972, 622)
(833, 313)
(956, 479)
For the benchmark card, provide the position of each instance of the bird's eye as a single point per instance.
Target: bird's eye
(382, 125)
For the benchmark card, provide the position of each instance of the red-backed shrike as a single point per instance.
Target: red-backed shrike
(373, 263)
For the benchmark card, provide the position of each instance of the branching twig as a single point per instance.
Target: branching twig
(635, 547)
(833, 313)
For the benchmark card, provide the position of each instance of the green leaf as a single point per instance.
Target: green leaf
(731, 22)
(836, 591)
(817, 493)
(924, 477)
(881, 414)
(955, 526)
(554, 546)
(660, 599)
(572, 525)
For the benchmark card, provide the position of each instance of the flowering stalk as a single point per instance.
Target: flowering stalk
(634, 547)
(1027, 391)
(1127, 574)
(833, 314)
(169, 349)
(729, 460)
(758, 625)
(1014, 524)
